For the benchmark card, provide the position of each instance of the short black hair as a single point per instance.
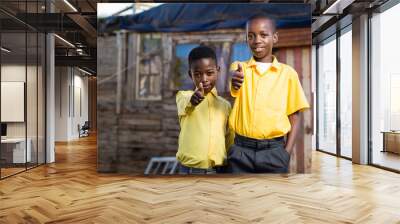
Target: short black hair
(262, 16)
(202, 52)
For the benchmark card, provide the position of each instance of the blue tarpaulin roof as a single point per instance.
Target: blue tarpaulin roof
(186, 17)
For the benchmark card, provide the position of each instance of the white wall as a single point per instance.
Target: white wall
(12, 73)
(81, 81)
(62, 81)
(13, 100)
(71, 93)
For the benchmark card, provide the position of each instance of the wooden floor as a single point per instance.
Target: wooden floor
(71, 191)
(10, 171)
(386, 159)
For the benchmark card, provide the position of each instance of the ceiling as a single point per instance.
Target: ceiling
(76, 23)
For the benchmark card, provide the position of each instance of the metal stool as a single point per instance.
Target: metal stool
(168, 163)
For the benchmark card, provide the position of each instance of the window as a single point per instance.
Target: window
(346, 93)
(149, 78)
(327, 96)
(385, 89)
(240, 52)
(394, 102)
(22, 75)
(181, 68)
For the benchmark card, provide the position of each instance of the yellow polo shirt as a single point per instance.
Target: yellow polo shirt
(205, 136)
(264, 101)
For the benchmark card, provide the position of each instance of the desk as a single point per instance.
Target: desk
(391, 141)
(18, 149)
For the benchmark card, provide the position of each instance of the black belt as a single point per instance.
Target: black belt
(259, 144)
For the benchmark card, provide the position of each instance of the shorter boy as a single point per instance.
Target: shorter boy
(203, 117)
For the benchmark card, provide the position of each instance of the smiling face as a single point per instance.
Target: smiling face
(261, 37)
(205, 71)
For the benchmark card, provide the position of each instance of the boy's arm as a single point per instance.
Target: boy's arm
(229, 134)
(296, 102)
(183, 103)
(186, 101)
(229, 137)
(294, 120)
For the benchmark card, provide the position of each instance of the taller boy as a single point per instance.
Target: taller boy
(269, 97)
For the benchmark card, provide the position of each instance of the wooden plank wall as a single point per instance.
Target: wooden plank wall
(300, 59)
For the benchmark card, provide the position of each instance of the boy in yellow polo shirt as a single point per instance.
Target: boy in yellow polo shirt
(203, 118)
(268, 98)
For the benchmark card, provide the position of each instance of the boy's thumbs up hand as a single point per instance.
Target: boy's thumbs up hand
(237, 77)
(239, 69)
(198, 95)
(201, 89)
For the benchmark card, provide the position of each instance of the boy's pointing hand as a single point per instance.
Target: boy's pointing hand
(237, 77)
(198, 95)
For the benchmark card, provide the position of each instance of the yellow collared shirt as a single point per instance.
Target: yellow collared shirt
(264, 101)
(205, 136)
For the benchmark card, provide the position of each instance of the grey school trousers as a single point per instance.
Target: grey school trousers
(249, 155)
